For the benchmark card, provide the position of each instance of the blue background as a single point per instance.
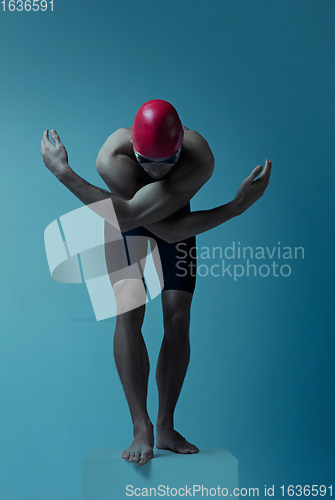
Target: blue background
(256, 79)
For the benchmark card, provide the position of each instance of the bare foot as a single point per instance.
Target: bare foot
(141, 449)
(169, 439)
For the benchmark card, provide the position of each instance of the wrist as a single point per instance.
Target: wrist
(65, 173)
(235, 208)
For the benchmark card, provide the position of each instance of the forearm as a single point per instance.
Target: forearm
(118, 211)
(146, 207)
(121, 213)
(86, 192)
(108, 206)
(183, 226)
(153, 204)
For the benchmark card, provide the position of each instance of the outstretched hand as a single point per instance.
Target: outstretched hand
(55, 157)
(250, 189)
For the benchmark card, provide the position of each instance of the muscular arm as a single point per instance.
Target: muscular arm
(140, 204)
(151, 203)
(183, 226)
(171, 228)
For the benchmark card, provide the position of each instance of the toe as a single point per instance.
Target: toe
(125, 455)
(145, 457)
(195, 450)
(188, 448)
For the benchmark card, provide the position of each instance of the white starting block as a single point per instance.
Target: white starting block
(209, 473)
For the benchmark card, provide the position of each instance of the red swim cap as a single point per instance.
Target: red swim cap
(157, 131)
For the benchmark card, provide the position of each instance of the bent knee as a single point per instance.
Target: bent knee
(177, 323)
(130, 296)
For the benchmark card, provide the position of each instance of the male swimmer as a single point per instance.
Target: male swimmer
(152, 171)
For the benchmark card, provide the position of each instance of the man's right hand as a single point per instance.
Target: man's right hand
(55, 157)
(250, 189)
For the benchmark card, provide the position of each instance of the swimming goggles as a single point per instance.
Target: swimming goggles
(142, 159)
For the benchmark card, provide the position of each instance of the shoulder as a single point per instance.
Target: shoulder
(198, 147)
(116, 144)
(116, 165)
(196, 162)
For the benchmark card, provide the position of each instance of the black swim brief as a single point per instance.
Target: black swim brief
(178, 259)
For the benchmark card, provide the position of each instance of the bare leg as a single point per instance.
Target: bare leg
(171, 368)
(132, 363)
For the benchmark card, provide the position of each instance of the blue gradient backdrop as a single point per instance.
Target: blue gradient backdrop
(256, 79)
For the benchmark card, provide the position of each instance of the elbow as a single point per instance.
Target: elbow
(127, 223)
(169, 238)
(160, 233)
(124, 225)
(125, 215)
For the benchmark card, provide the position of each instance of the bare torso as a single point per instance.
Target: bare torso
(124, 176)
(140, 200)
